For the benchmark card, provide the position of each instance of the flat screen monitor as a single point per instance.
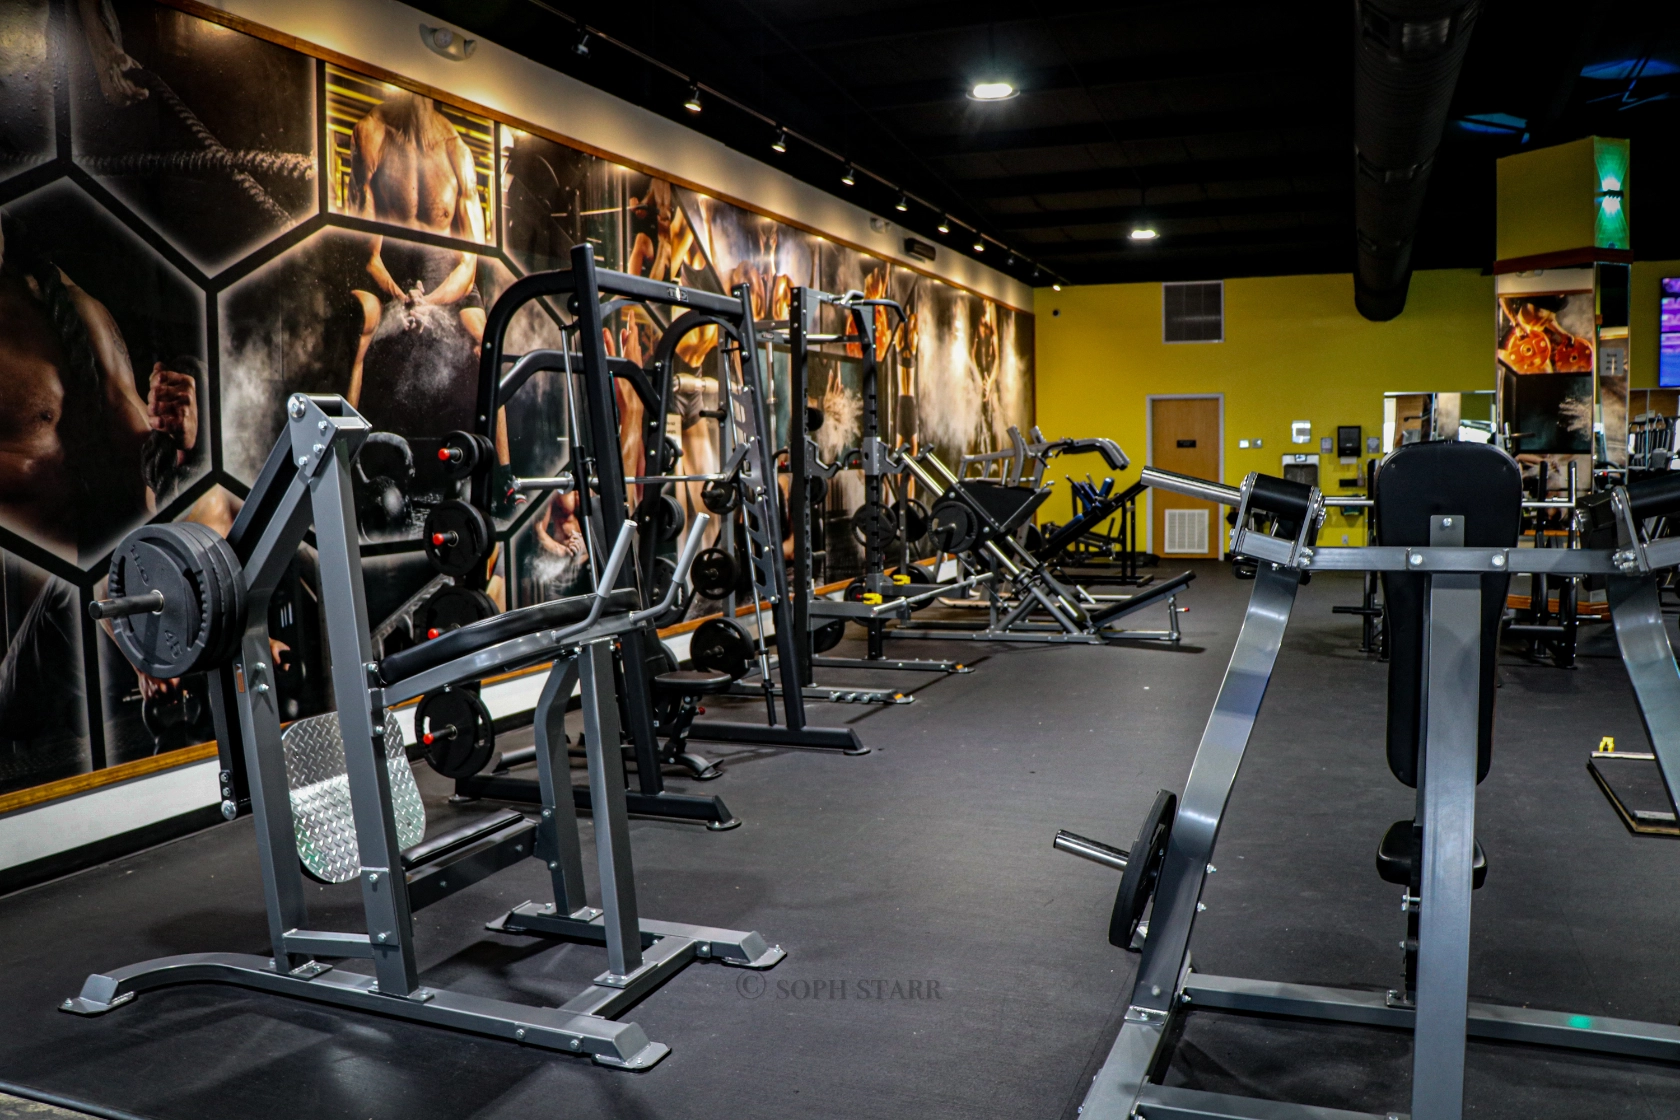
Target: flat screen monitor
(1668, 341)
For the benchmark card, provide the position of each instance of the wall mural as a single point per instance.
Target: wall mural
(179, 256)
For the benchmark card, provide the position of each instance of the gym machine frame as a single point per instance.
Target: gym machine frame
(306, 481)
(1167, 987)
(1076, 616)
(875, 460)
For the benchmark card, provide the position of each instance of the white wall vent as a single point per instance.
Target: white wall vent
(1187, 531)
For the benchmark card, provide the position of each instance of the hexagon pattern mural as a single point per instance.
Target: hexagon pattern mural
(198, 221)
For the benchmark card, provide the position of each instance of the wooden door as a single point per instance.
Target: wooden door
(1184, 437)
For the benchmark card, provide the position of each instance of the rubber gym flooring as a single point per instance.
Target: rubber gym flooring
(921, 876)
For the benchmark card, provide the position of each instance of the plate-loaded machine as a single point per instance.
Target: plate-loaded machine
(1449, 514)
(978, 520)
(341, 795)
(820, 621)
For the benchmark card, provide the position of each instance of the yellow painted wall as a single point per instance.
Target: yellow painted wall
(1546, 200)
(1643, 294)
(1294, 349)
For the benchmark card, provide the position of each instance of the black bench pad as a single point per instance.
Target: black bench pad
(692, 682)
(496, 629)
(1397, 850)
(1155, 592)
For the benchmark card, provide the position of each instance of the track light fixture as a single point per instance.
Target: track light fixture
(693, 102)
(582, 47)
(848, 178)
(1055, 287)
(979, 245)
(903, 204)
(779, 145)
(944, 224)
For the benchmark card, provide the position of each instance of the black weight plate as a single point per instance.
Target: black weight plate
(828, 635)
(713, 573)
(816, 489)
(919, 579)
(722, 645)
(874, 526)
(182, 637)
(854, 591)
(669, 518)
(452, 608)
(456, 731)
(721, 498)
(913, 516)
(228, 628)
(952, 526)
(457, 537)
(461, 454)
(1143, 870)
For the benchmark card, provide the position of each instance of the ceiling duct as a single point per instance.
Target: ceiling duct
(1408, 56)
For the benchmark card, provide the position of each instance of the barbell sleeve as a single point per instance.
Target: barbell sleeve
(1190, 487)
(149, 603)
(1113, 858)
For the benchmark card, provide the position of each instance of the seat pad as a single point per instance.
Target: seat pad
(692, 682)
(1395, 854)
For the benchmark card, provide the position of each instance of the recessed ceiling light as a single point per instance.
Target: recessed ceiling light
(1144, 235)
(944, 224)
(992, 91)
(693, 102)
(848, 178)
(903, 204)
(780, 143)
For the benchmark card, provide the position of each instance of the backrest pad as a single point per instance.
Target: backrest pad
(1482, 484)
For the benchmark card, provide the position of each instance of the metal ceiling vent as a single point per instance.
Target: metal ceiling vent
(1407, 57)
(1193, 312)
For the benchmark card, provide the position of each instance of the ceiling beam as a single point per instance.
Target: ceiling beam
(1333, 161)
(1339, 202)
(1095, 74)
(1169, 127)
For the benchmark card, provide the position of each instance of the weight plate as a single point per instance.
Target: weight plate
(913, 516)
(952, 526)
(1143, 870)
(461, 454)
(455, 728)
(722, 645)
(875, 526)
(452, 608)
(816, 489)
(668, 518)
(713, 573)
(202, 616)
(457, 537)
(854, 591)
(919, 579)
(322, 819)
(722, 498)
(828, 635)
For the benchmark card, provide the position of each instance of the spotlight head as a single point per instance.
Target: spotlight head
(944, 224)
(693, 102)
(903, 204)
(1055, 287)
(1144, 234)
(848, 178)
(998, 90)
(979, 245)
(582, 47)
(779, 145)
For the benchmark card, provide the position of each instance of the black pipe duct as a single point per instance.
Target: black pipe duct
(1409, 53)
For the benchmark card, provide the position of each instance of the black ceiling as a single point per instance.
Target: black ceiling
(1226, 127)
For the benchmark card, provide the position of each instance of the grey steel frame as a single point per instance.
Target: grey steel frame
(1167, 987)
(307, 481)
(1036, 591)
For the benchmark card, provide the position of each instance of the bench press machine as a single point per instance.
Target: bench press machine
(334, 797)
(1449, 516)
